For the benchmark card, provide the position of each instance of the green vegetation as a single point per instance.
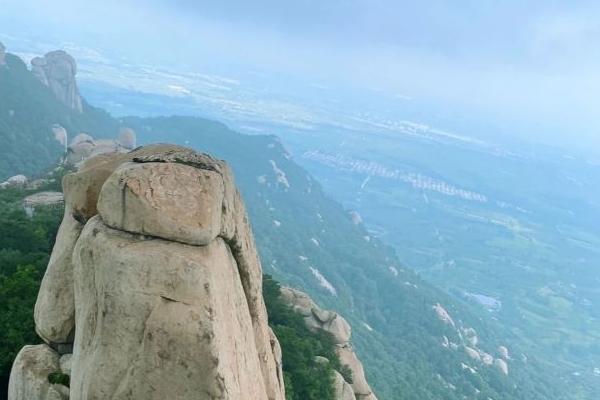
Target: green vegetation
(58, 378)
(534, 245)
(25, 245)
(28, 110)
(305, 377)
(395, 330)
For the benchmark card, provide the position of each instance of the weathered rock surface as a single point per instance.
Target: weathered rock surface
(54, 311)
(318, 319)
(29, 375)
(343, 390)
(57, 70)
(157, 311)
(171, 201)
(178, 312)
(65, 363)
(14, 181)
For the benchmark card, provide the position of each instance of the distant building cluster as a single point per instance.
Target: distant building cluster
(371, 168)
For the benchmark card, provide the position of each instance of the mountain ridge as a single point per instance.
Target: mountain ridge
(308, 241)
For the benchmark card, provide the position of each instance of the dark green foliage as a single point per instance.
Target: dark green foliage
(25, 245)
(58, 378)
(305, 379)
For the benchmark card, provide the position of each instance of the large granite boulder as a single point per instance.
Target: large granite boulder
(169, 314)
(317, 318)
(54, 311)
(361, 387)
(152, 311)
(167, 200)
(57, 70)
(343, 390)
(29, 376)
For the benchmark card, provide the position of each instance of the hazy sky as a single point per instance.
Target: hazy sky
(532, 67)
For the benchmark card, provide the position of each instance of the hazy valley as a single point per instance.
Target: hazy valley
(465, 261)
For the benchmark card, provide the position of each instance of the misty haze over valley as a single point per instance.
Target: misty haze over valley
(428, 172)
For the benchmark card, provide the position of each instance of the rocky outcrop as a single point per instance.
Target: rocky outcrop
(14, 181)
(153, 311)
(501, 365)
(29, 375)
(2, 54)
(83, 146)
(339, 329)
(343, 389)
(60, 135)
(42, 199)
(317, 318)
(467, 339)
(57, 70)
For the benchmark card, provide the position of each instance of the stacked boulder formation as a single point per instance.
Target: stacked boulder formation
(316, 318)
(154, 288)
(58, 70)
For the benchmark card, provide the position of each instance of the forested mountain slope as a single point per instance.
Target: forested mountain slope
(415, 342)
(28, 113)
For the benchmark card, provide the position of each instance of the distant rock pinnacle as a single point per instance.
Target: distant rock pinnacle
(57, 70)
